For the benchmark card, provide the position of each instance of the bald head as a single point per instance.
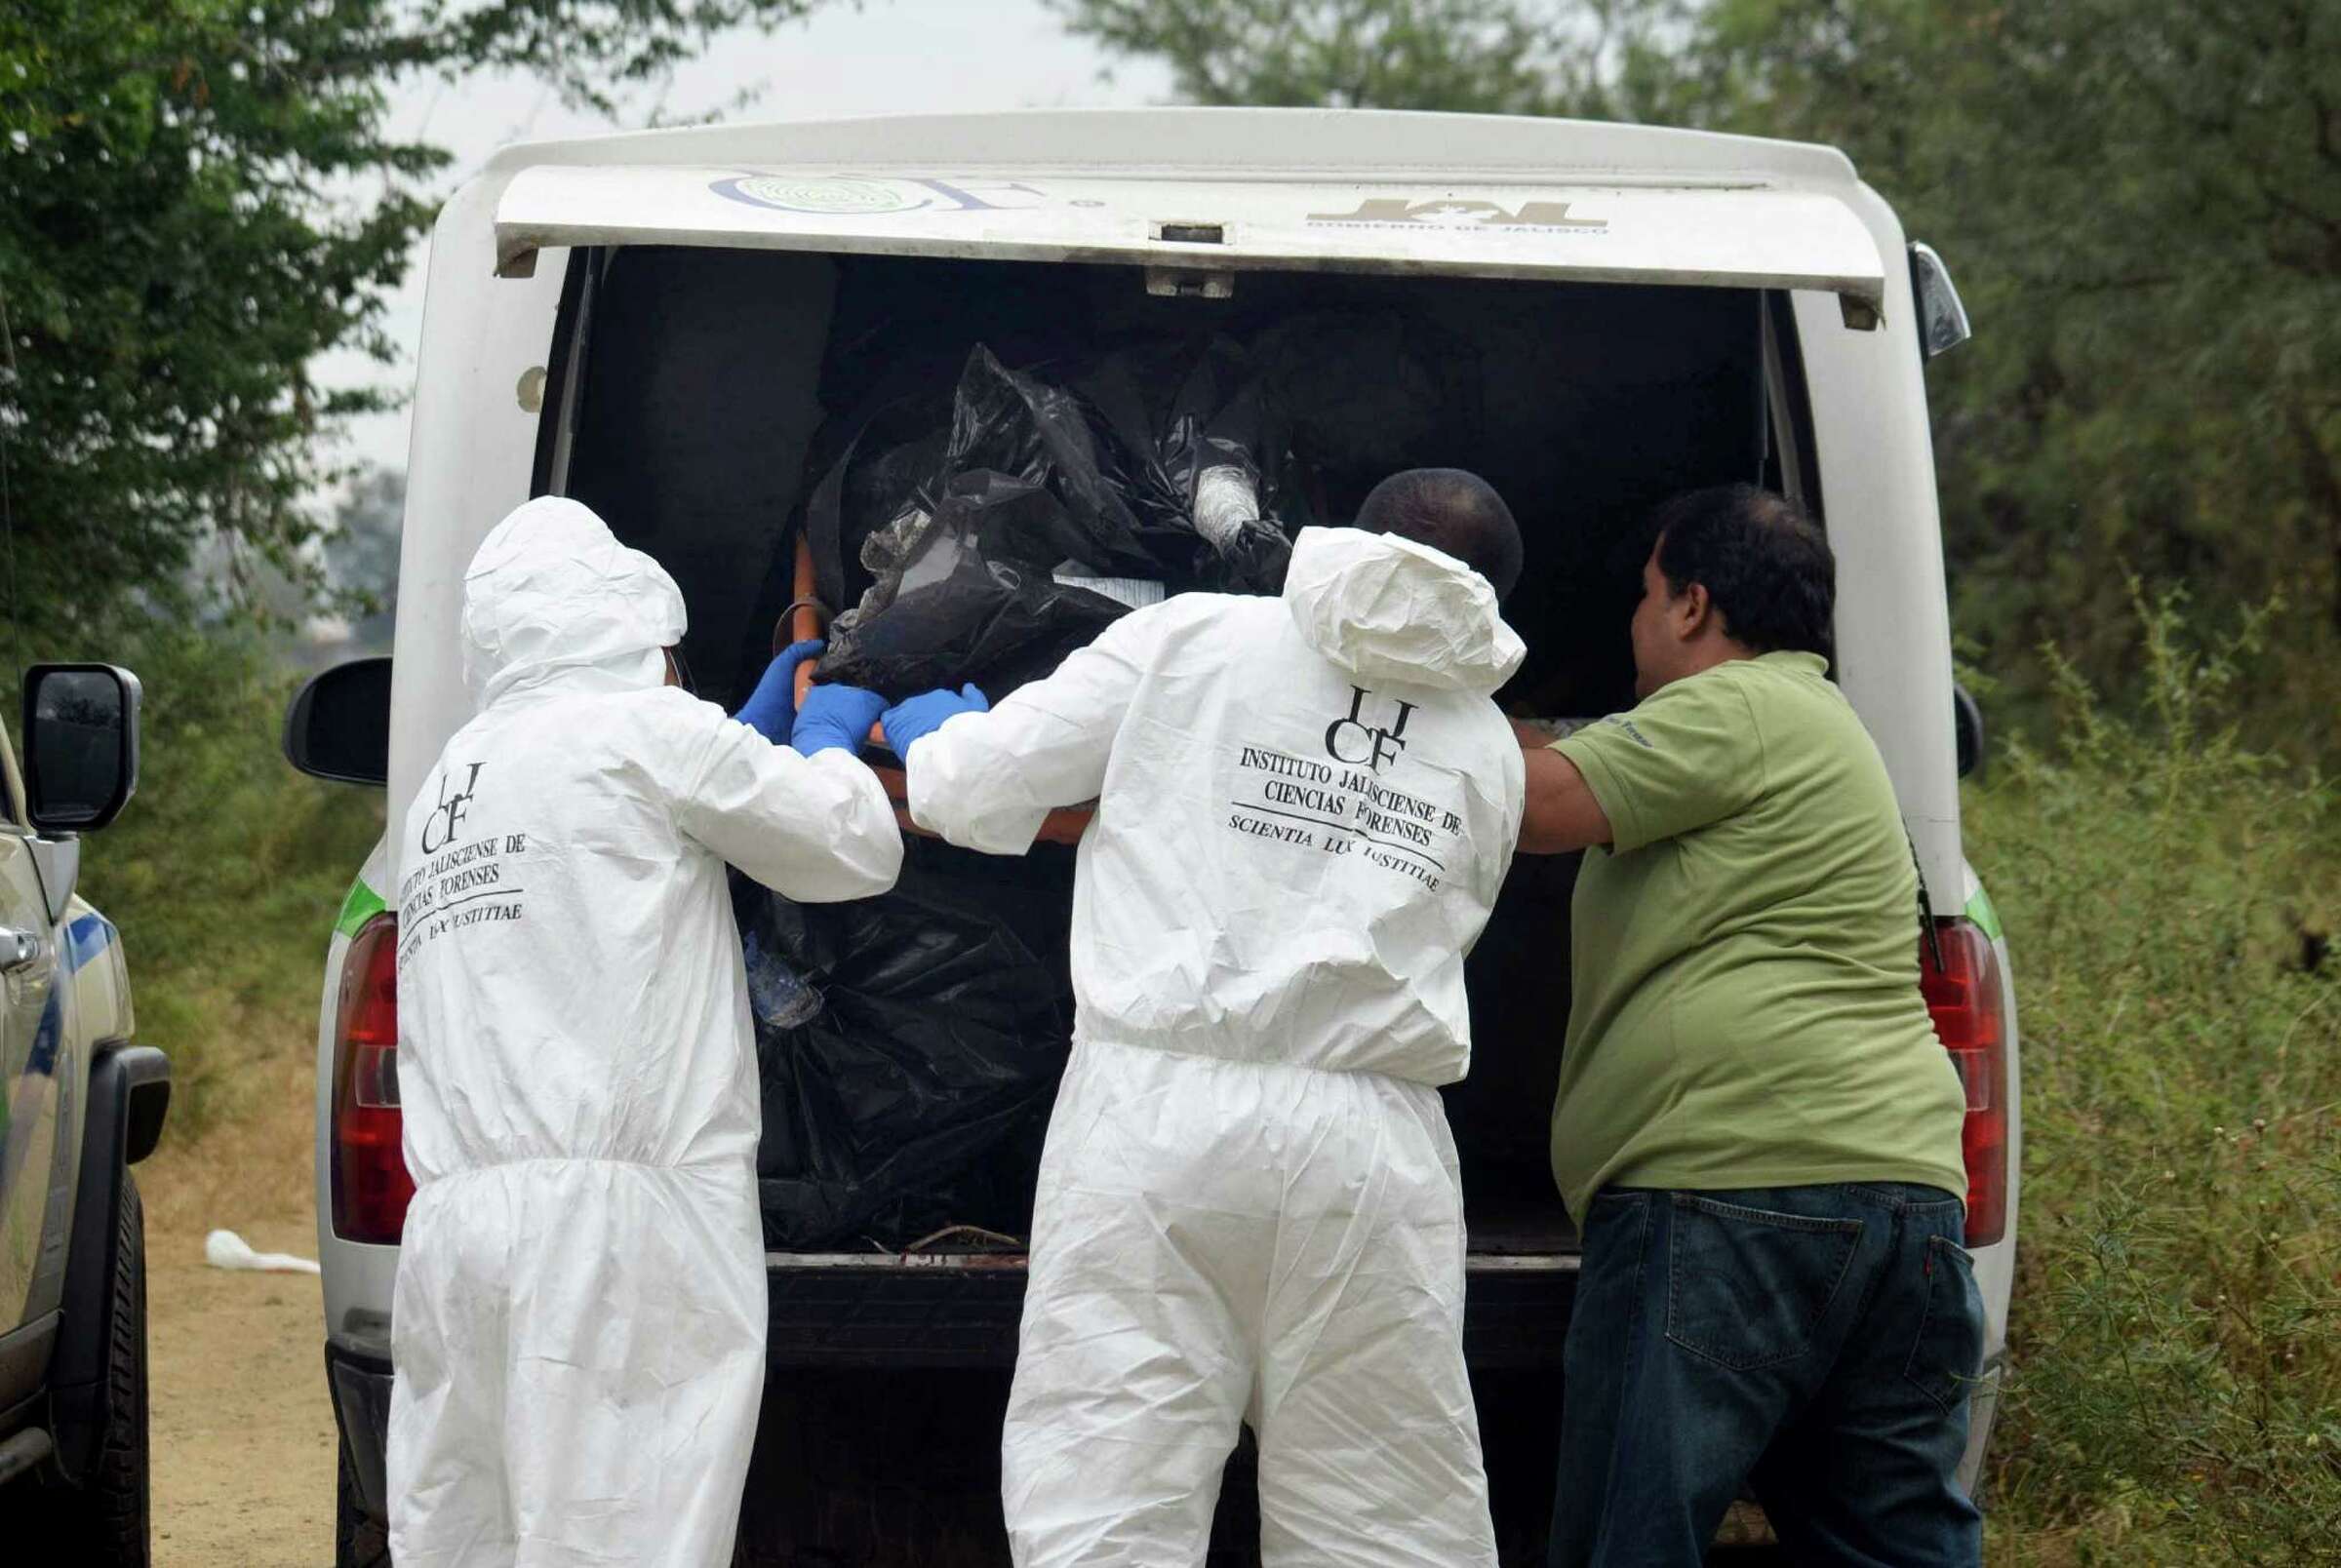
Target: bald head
(1453, 512)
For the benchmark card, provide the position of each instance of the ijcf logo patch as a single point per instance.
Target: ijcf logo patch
(1354, 741)
(1389, 212)
(439, 828)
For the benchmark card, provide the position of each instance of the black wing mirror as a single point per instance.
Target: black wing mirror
(1966, 723)
(81, 745)
(339, 726)
(1942, 318)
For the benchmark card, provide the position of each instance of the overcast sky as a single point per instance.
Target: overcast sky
(883, 55)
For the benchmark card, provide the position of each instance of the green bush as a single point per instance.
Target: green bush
(2169, 896)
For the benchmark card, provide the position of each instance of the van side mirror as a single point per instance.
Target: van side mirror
(1942, 319)
(81, 745)
(1966, 723)
(339, 726)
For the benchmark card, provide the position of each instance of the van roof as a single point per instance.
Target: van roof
(1249, 143)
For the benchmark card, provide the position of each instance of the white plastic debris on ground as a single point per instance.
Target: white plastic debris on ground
(224, 1249)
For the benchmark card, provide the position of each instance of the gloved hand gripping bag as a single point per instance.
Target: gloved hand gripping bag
(917, 1095)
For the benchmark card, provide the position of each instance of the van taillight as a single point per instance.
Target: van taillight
(1960, 974)
(371, 1184)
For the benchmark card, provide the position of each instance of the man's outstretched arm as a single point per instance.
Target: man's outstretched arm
(1562, 812)
(985, 780)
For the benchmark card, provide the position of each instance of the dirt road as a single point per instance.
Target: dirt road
(242, 1434)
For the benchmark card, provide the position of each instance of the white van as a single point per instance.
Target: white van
(674, 326)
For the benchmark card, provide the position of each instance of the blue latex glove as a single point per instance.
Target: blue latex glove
(836, 716)
(772, 707)
(922, 715)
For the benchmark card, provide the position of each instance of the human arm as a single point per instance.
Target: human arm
(1687, 756)
(1562, 812)
(772, 707)
(987, 780)
(816, 829)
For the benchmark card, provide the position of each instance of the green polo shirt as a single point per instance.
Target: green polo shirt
(1746, 1010)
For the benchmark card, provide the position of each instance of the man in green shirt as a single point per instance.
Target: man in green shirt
(1757, 1129)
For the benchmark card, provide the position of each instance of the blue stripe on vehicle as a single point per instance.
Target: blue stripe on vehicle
(30, 1097)
(85, 940)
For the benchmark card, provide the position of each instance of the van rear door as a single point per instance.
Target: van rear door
(1196, 235)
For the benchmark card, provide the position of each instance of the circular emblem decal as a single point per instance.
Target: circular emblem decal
(791, 194)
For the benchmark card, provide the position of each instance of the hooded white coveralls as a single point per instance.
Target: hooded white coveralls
(579, 1319)
(1249, 1207)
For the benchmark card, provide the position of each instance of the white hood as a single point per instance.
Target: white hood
(1389, 609)
(552, 591)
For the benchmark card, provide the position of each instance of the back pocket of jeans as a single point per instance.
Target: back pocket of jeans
(1948, 1354)
(1746, 1287)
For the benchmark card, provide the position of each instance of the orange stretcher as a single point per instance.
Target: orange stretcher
(806, 618)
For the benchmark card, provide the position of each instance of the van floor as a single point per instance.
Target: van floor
(1513, 1221)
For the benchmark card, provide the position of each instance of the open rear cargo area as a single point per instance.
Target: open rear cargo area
(703, 395)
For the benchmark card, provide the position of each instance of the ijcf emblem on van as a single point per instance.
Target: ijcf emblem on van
(1396, 211)
(842, 197)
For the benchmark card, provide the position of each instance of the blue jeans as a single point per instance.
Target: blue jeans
(1813, 1344)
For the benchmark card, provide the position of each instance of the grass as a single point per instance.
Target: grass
(2170, 896)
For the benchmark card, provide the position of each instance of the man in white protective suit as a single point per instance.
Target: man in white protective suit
(1249, 1207)
(579, 1325)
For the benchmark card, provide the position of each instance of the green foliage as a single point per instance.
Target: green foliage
(166, 269)
(180, 236)
(226, 869)
(2171, 897)
(2142, 202)
(1475, 56)
(1486, 56)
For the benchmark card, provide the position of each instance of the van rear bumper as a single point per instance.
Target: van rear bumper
(885, 1311)
(359, 1381)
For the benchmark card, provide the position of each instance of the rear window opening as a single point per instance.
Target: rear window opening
(699, 395)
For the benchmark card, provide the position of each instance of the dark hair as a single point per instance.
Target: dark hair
(1766, 568)
(1454, 512)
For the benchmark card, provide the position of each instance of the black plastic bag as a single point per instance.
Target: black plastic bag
(964, 564)
(1204, 471)
(1149, 473)
(957, 597)
(1368, 391)
(917, 1094)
